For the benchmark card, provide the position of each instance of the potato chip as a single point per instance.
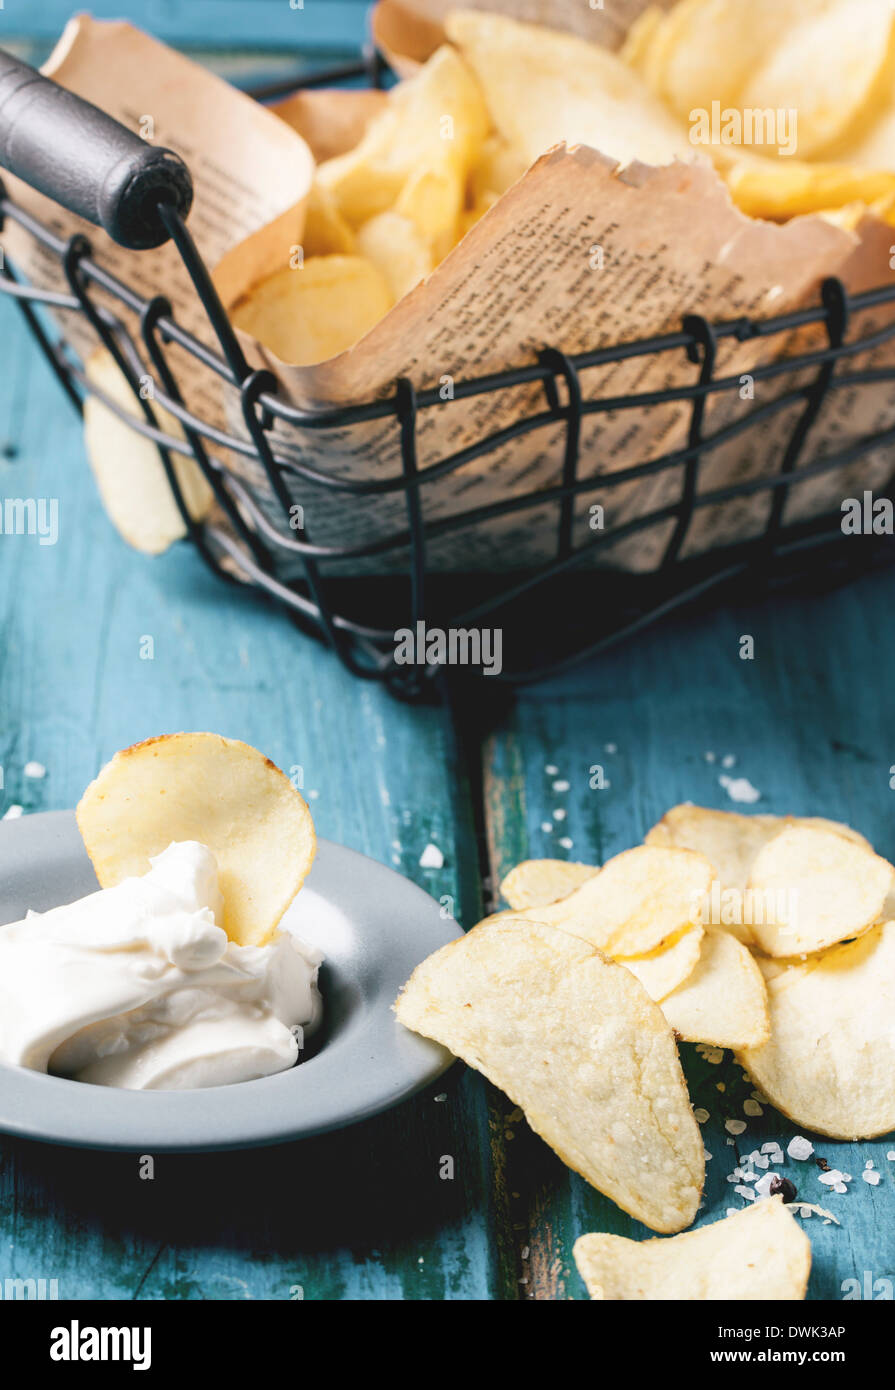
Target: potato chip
(731, 842)
(128, 469)
(577, 1043)
(315, 311)
(544, 88)
(434, 123)
(398, 250)
(760, 1253)
(661, 971)
(496, 169)
(638, 901)
(811, 888)
(326, 232)
(432, 201)
(830, 1062)
(723, 1001)
(820, 60)
(539, 882)
(218, 791)
(777, 189)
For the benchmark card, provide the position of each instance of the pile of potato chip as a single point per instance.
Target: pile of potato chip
(452, 139)
(764, 934)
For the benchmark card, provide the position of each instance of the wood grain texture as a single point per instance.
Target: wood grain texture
(356, 1215)
(809, 724)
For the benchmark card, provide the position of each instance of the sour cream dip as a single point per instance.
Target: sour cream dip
(136, 986)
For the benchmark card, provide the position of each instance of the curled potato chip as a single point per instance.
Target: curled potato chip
(638, 900)
(315, 311)
(662, 970)
(128, 468)
(659, 971)
(396, 247)
(820, 59)
(577, 1043)
(539, 882)
(326, 232)
(760, 1253)
(434, 124)
(811, 888)
(221, 792)
(829, 1064)
(543, 87)
(777, 189)
(723, 1001)
(731, 841)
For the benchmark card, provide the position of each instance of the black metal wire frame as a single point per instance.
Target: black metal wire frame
(247, 549)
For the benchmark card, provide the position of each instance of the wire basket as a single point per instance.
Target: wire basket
(551, 616)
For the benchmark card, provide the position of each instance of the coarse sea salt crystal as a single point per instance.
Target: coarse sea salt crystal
(745, 1192)
(735, 1126)
(872, 1176)
(740, 789)
(763, 1186)
(431, 858)
(546, 827)
(752, 1107)
(551, 769)
(799, 1147)
(728, 760)
(35, 770)
(13, 813)
(566, 843)
(700, 1116)
(560, 786)
(559, 814)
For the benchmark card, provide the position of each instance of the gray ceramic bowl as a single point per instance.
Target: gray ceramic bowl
(374, 928)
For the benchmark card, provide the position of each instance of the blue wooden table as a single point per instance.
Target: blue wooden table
(363, 1214)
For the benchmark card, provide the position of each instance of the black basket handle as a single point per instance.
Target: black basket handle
(84, 160)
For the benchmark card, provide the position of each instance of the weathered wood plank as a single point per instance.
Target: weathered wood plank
(809, 724)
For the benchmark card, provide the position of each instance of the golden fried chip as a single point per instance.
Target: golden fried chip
(723, 1001)
(434, 123)
(639, 900)
(731, 842)
(128, 470)
(830, 1061)
(326, 232)
(221, 792)
(778, 189)
(811, 888)
(543, 87)
(539, 882)
(315, 311)
(819, 61)
(577, 1043)
(397, 249)
(661, 971)
(760, 1253)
